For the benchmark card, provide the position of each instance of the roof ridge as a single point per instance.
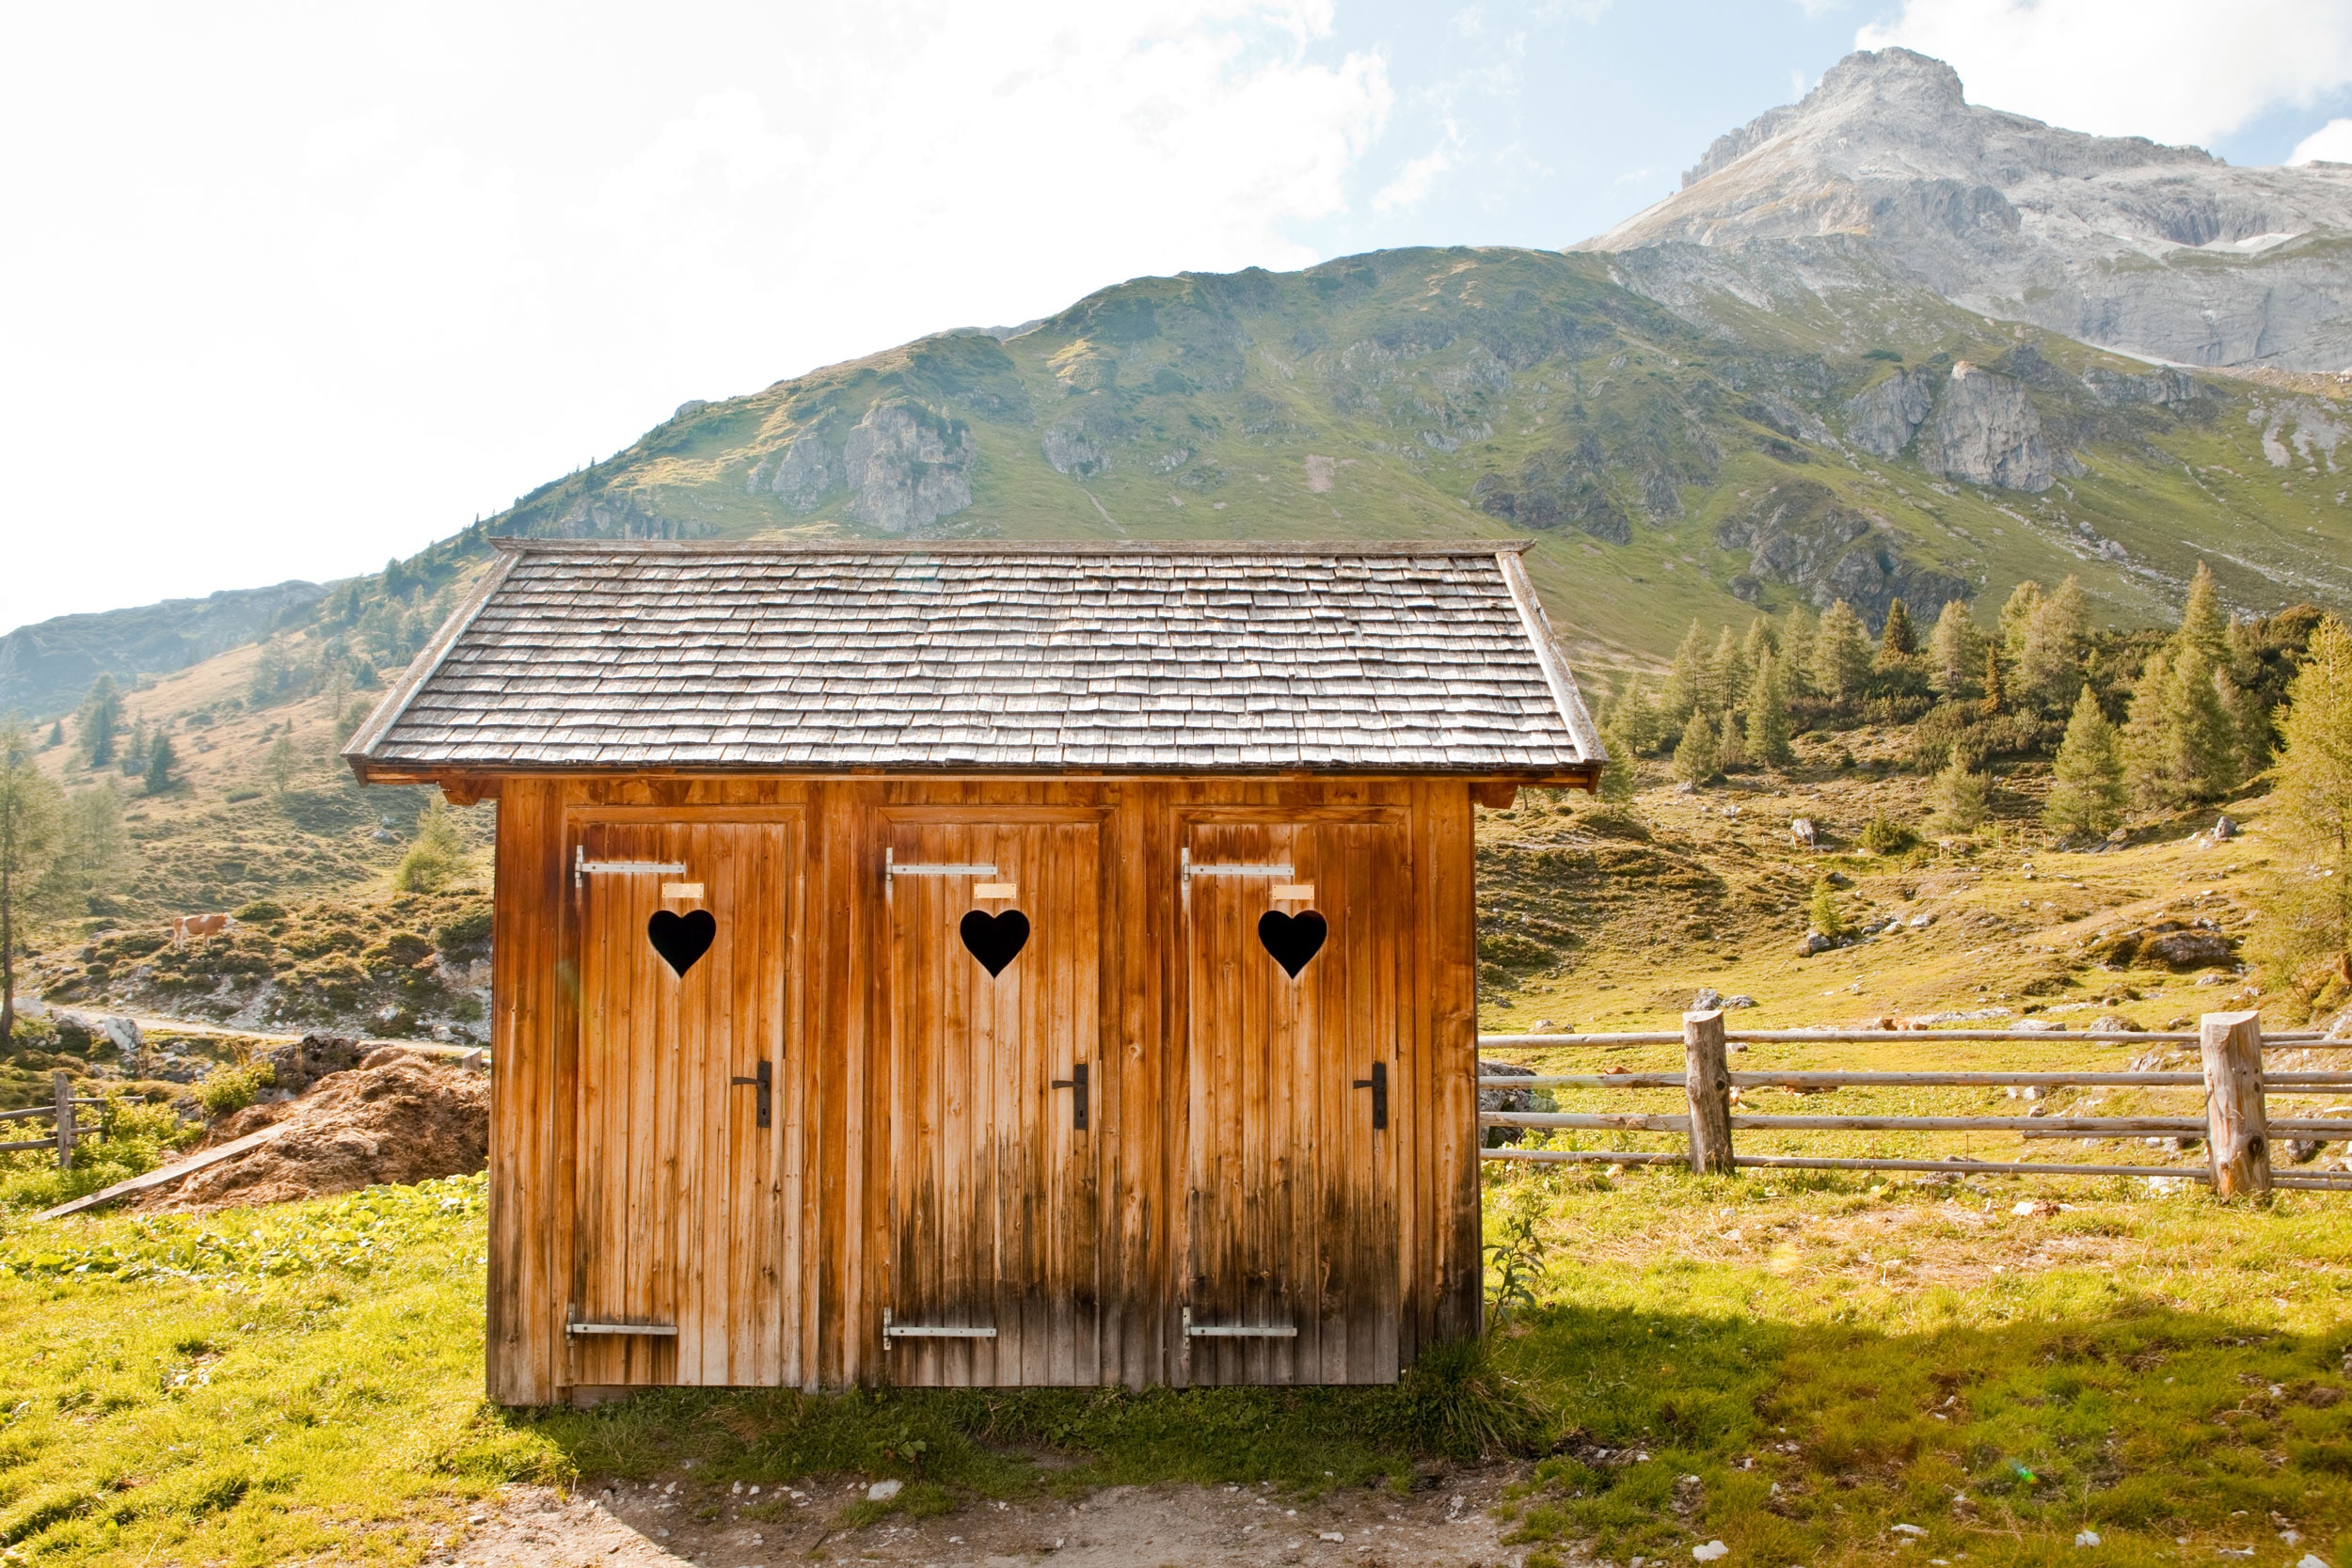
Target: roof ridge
(517, 546)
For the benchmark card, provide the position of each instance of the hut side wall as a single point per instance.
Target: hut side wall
(834, 1096)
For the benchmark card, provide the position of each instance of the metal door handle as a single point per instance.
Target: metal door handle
(1378, 1085)
(766, 1084)
(1076, 1082)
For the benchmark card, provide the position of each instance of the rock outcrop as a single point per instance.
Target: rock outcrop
(1984, 430)
(1880, 419)
(906, 466)
(1801, 535)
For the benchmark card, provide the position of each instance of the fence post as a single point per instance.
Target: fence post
(61, 1084)
(2237, 1123)
(1706, 1082)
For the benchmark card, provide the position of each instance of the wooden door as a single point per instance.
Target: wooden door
(993, 1185)
(683, 1223)
(1290, 1200)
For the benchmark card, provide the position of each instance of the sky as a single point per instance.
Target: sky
(288, 289)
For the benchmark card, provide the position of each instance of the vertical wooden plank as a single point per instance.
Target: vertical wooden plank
(524, 1355)
(1453, 918)
(1707, 1088)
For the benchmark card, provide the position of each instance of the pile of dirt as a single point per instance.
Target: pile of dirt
(399, 1117)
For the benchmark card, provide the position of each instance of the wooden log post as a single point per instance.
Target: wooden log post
(1706, 1080)
(2237, 1121)
(62, 1085)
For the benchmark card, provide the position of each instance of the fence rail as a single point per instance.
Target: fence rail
(65, 1130)
(2236, 1126)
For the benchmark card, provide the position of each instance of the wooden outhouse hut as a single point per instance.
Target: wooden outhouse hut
(982, 963)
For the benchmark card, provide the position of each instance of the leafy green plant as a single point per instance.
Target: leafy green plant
(1515, 1260)
(232, 1086)
(1883, 835)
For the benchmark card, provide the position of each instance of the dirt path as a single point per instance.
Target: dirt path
(631, 1525)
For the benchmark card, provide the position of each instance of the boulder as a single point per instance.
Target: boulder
(2189, 949)
(1504, 1099)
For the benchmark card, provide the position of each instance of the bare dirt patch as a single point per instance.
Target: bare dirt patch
(677, 1521)
(399, 1117)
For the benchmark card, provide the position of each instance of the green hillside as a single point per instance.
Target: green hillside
(1666, 466)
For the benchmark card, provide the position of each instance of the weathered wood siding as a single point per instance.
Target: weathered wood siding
(920, 1160)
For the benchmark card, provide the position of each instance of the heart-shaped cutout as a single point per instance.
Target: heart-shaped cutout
(1293, 939)
(995, 939)
(680, 939)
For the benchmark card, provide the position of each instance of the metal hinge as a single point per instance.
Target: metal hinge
(582, 868)
(1188, 871)
(1237, 1331)
(891, 868)
(917, 1331)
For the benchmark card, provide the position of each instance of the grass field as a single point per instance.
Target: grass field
(1828, 1359)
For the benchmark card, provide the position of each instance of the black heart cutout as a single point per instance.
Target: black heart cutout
(995, 939)
(680, 939)
(1291, 939)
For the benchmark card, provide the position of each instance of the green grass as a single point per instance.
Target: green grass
(255, 1387)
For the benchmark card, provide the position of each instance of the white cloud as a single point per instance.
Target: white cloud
(1413, 182)
(365, 272)
(2332, 143)
(2176, 70)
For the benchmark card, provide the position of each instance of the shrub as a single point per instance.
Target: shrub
(230, 1087)
(1823, 912)
(1883, 835)
(261, 909)
(437, 856)
(461, 931)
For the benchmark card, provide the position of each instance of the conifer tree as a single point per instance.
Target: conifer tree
(160, 762)
(1824, 912)
(2309, 917)
(2143, 745)
(57, 733)
(2181, 740)
(1796, 651)
(1637, 718)
(29, 817)
(1686, 678)
(1695, 755)
(100, 718)
(1761, 639)
(1842, 656)
(2049, 650)
(1726, 674)
(2205, 625)
(1617, 774)
(1955, 652)
(1956, 798)
(1769, 725)
(1897, 638)
(2023, 601)
(2087, 791)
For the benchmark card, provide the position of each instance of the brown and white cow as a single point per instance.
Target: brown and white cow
(186, 925)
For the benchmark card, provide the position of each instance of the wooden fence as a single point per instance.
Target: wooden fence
(2236, 1126)
(65, 1129)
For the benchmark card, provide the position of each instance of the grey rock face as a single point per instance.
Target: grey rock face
(1984, 430)
(807, 470)
(2159, 251)
(908, 467)
(1882, 419)
(1801, 535)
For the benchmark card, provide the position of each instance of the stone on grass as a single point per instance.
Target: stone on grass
(882, 1490)
(1710, 1552)
(2087, 1537)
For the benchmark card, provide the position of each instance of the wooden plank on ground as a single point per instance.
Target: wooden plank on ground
(166, 1175)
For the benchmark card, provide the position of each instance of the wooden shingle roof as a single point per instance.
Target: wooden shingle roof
(990, 657)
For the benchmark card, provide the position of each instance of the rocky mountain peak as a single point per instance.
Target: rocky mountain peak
(2013, 218)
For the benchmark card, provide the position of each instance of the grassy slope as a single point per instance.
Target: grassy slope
(1367, 397)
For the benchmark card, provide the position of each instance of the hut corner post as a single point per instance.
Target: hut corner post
(2237, 1123)
(1706, 1080)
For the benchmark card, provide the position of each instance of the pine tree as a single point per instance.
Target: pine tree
(100, 718)
(1956, 798)
(2023, 601)
(1686, 678)
(56, 734)
(2087, 791)
(1695, 755)
(1761, 639)
(1617, 775)
(281, 763)
(1842, 656)
(1897, 638)
(160, 762)
(1726, 674)
(2308, 913)
(1994, 694)
(1955, 652)
(2205, 625)
(29, 813)
(2181, 740)
(2049, 651)
(437, 855)
(1796, 651)
(1769, 725)
(1824, 913)
(2143, 744)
